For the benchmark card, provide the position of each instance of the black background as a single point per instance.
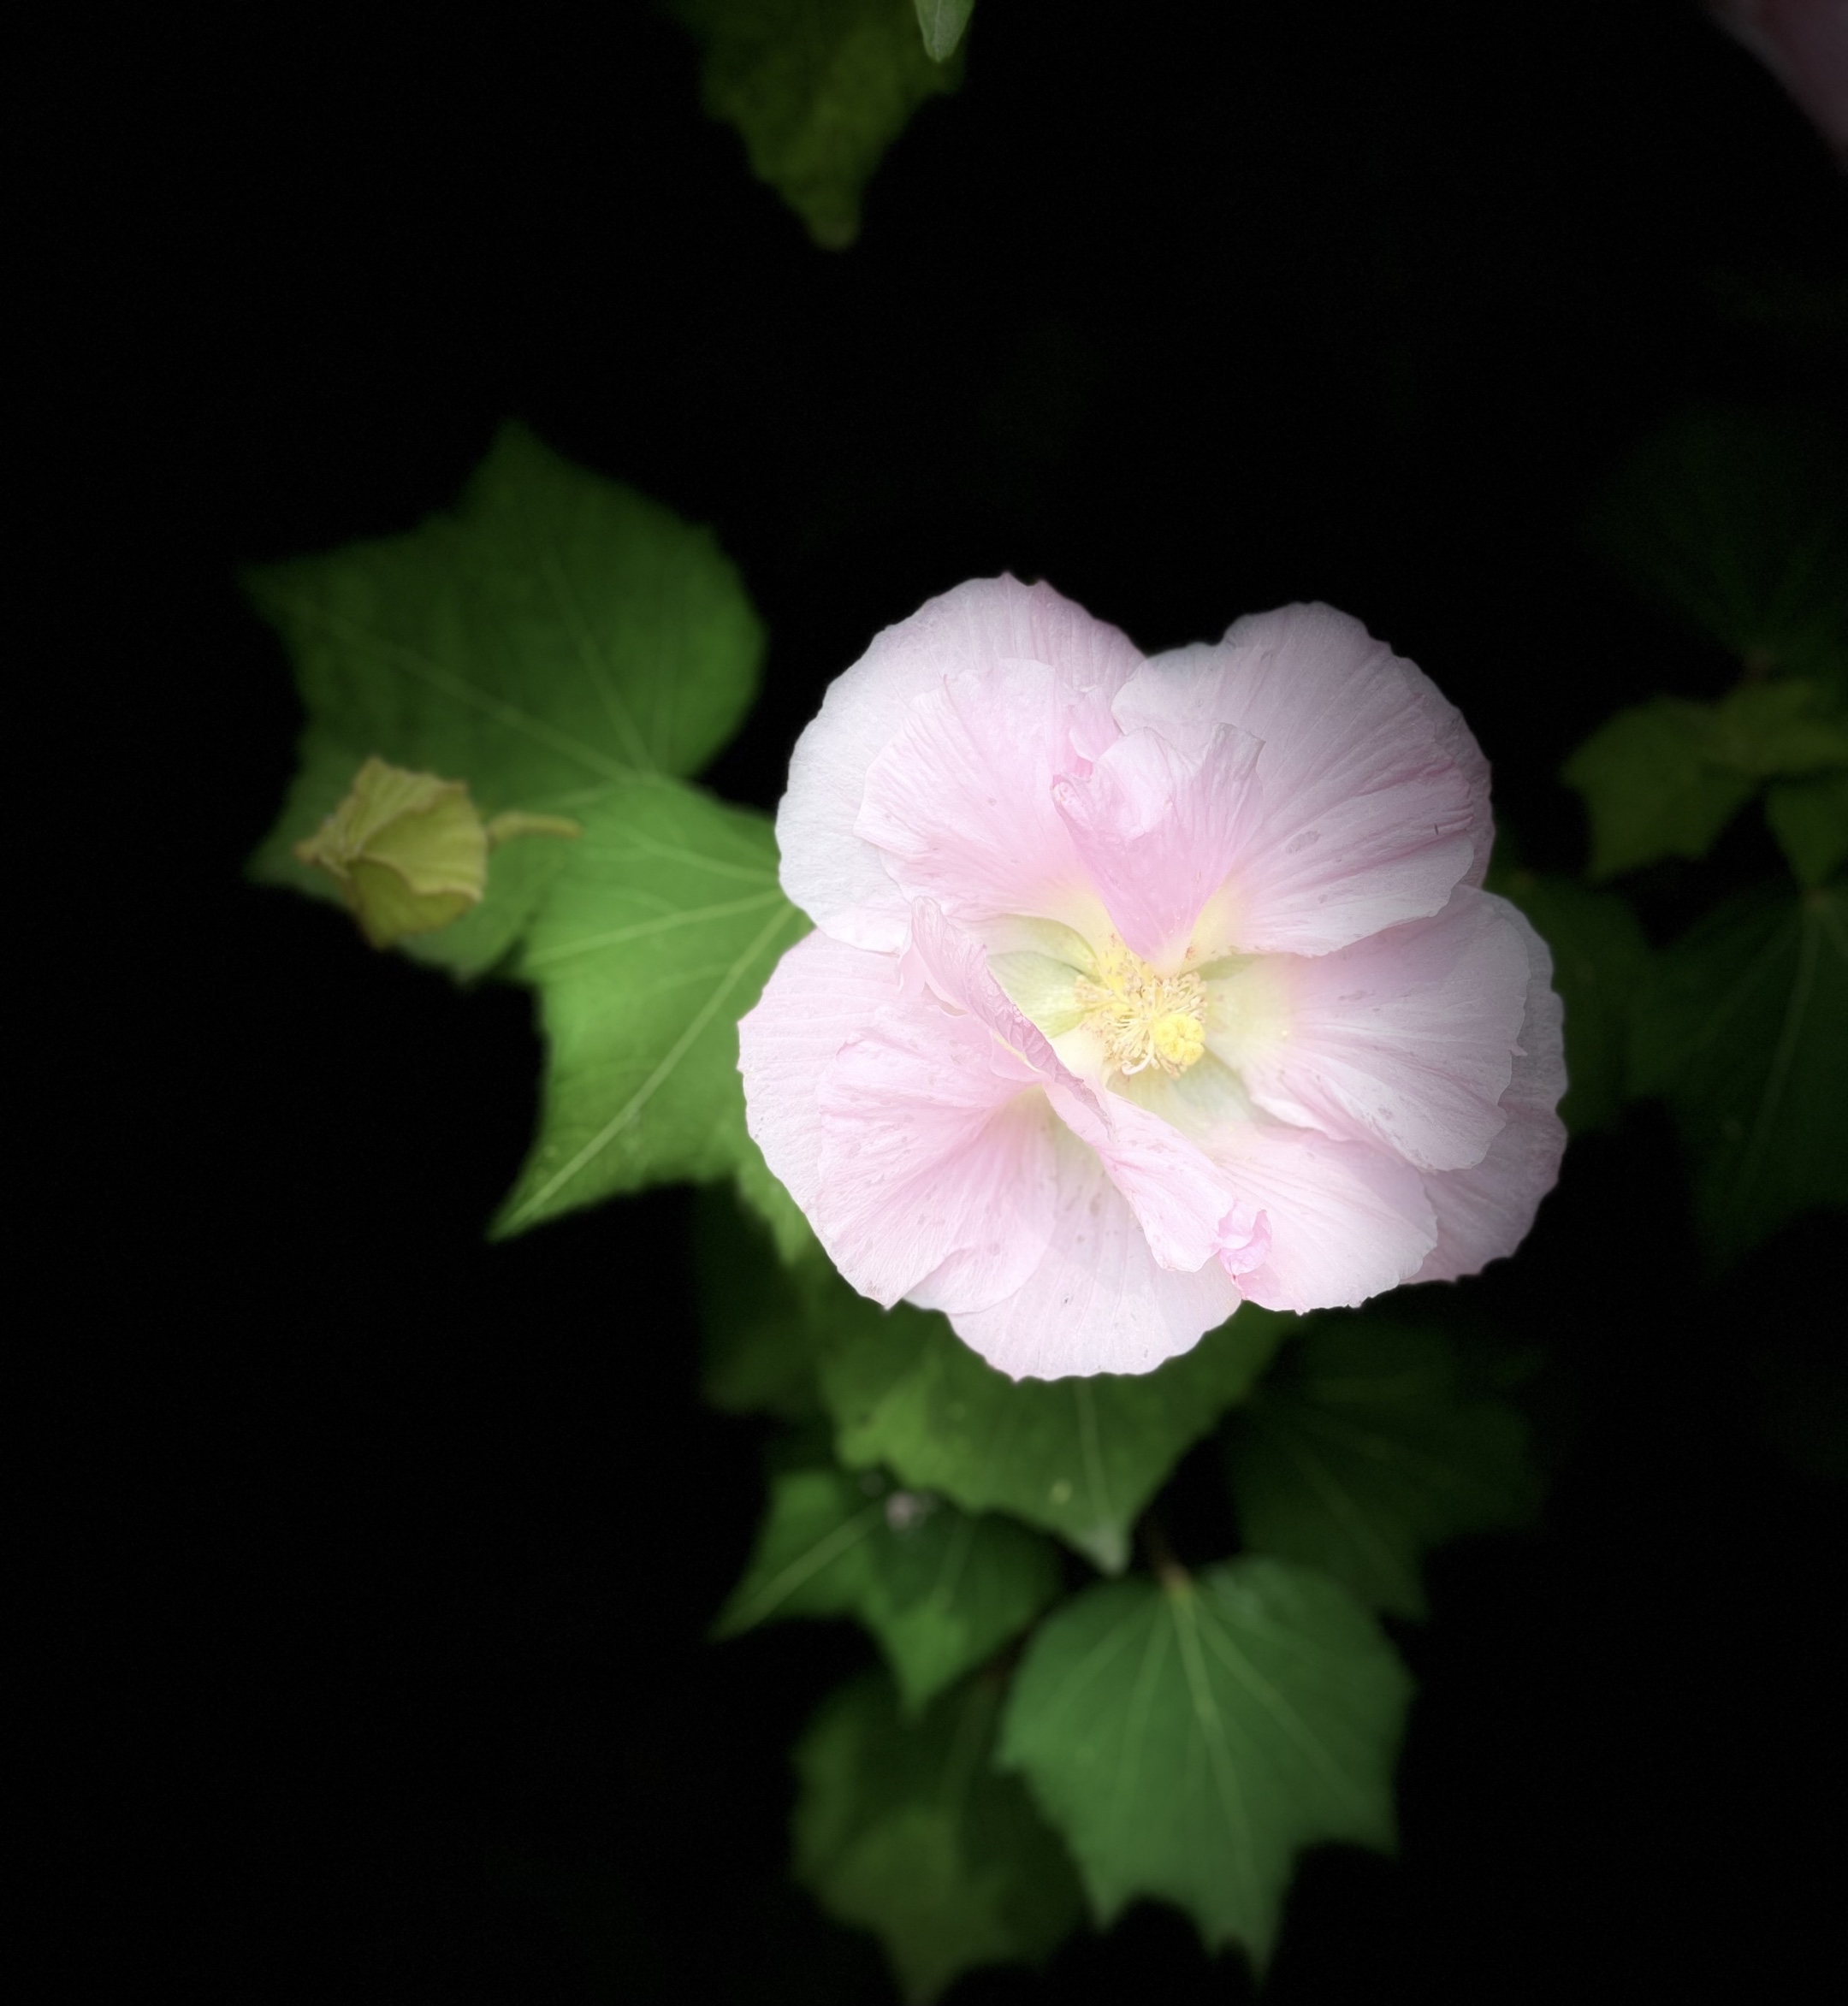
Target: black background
(370, 1565)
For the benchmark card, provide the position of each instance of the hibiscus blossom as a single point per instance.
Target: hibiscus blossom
(1143, 987)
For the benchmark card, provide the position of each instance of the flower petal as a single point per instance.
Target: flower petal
(961, 802)
(930, 1156)
(820, 995)
(1097, 1300)
(1158, 829)
(1406, 1039)
(1346, 1221)
(954, 965)
(837, 877)
(1484, 1212)
(1190, 1212)
(1371, 798)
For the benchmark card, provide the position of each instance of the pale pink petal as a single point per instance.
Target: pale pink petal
(1189, 1211)
(821, 994)
(837, 877)
(953, 965)
(960, 804)
(926, 1154)
(1345, 1220)
(1004, 1190)
(1485, 1212)
(1372, 797)
(1406, 1039)
(1097, 1301)
(1157, 828)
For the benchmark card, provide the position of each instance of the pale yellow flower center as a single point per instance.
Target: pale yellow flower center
(1143, 1019)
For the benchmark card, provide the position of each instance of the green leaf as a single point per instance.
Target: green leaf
(1600, 962)
(558, 634)
(906, 1830)
(1739, 522)
(1810, 820)
(1665, 779)
(757, 1357)
(1188, 1737)
(817, 90)
(1765, 729)
(941, 1591)
(1367, 1455)
(659, 933)
(1078, 1456)
(941, 23)
(1742, 1031)
(1650, 787)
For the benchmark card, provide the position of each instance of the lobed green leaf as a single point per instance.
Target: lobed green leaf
(1367, 1455)
(556, 636)
(1742, 1031)
(941, 1591)
(905, 1830)
(1187, 1737)
(658, 934)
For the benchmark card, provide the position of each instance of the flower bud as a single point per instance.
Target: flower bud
(409, 851)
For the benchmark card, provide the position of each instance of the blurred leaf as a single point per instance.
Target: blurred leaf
(1743, 1032)
(941, 1591)
(942, 23)
(1793, 726)
(1739, 522)
(817, 90)
(907, 1831)
(1365, 1456)
(1600, 960)
(1189, 1737)
(757, 1356)
(558, 634)
(1664, 778)
(1650, 787)
(1078, 1456)
(1810, 820)
(658, 934)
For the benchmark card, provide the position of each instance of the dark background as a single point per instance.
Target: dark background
(370, 1566)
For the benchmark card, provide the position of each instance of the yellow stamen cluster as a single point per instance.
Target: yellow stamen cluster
(1143, 1019)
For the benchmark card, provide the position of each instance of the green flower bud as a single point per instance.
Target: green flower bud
(410, 852)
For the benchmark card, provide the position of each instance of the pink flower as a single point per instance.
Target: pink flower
(1143, 987)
